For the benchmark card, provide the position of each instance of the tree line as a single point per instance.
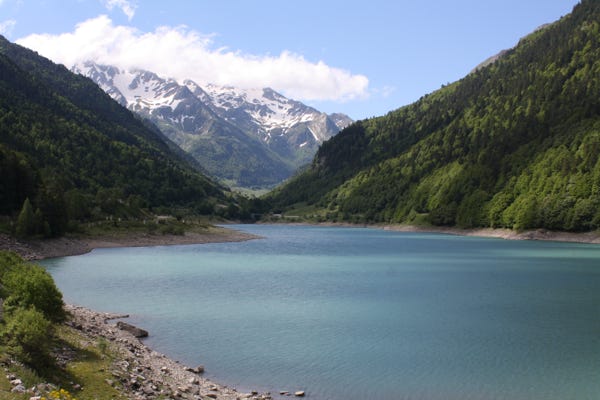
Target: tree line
(69, 153)
(514, 144)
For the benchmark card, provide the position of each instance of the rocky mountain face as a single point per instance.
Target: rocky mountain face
(245, 137)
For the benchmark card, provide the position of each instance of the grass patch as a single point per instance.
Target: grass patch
(84, 376)
(116, 228)
(91, 367)
(5, 393)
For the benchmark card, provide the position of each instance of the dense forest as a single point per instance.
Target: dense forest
(68, 152)
(514, 144)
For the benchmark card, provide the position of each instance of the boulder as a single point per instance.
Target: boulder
(19, 389)
(198, 370)
(193, 381)
(134, 330)
(148, 391)
(299, 393)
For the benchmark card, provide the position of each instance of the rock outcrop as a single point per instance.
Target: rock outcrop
(146, 374)
(134, 330)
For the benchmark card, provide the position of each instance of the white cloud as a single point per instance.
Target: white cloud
(6, 27)
(182, 53)
(128, 7)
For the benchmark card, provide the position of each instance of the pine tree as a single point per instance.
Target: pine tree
(26, 221)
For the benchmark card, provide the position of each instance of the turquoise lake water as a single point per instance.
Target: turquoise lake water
(353, 313)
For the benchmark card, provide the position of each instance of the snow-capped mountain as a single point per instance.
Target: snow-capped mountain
(268, 110)
(249, 137)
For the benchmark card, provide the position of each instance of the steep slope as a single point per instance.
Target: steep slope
(62, 138)
(245, 137)
(514, 144)
(223, 150)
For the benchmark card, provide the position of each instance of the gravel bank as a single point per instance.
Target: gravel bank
(70, 246)
(147, 374)
(508, 234)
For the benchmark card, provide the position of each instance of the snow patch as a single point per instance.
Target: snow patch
(314, 134)
(266, 109)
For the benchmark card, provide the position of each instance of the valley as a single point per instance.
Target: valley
(246, 138)
(294, 251)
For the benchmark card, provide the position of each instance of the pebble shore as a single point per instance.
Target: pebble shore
(138, 372)
(38, 249)
(147, 374)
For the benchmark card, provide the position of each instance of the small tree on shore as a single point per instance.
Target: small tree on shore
(26, 335)
(26, 220)
(32, 303)
(31, 286)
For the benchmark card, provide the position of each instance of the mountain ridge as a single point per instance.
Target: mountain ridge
(76, 154)
(251, 137)
(514, 144)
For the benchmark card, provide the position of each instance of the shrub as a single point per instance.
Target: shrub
(28, 285)
(8, 262)
(26, 336)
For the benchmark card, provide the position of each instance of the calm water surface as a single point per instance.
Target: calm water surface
(347, 313)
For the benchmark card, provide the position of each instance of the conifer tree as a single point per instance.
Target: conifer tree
(26, 221)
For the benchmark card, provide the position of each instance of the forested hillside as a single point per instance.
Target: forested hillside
(76, 154)
(514, 144)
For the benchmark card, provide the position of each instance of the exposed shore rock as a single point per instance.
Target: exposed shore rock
(60, 247)
(147, 374)
(38, 249)
(134, 330)
(508, 234)
(592, 237)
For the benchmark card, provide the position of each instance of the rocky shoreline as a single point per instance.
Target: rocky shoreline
(141, 373)
(69, 246)
(146, 374)
(507, 234)
(138, 372)
(37, 249)
(592, 237)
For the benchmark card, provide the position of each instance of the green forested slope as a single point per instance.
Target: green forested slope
(75, 152)
(515, 144)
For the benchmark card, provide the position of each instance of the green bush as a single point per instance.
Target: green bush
(172, 229)
(26, 335)
(32, 303)
(8, 262)
(25, 285)
(31, 286)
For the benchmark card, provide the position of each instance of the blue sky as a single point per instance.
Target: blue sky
(361, 58)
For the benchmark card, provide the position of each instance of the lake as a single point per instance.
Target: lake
(357, 313)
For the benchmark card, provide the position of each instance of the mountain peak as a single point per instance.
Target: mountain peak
(289, 130)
